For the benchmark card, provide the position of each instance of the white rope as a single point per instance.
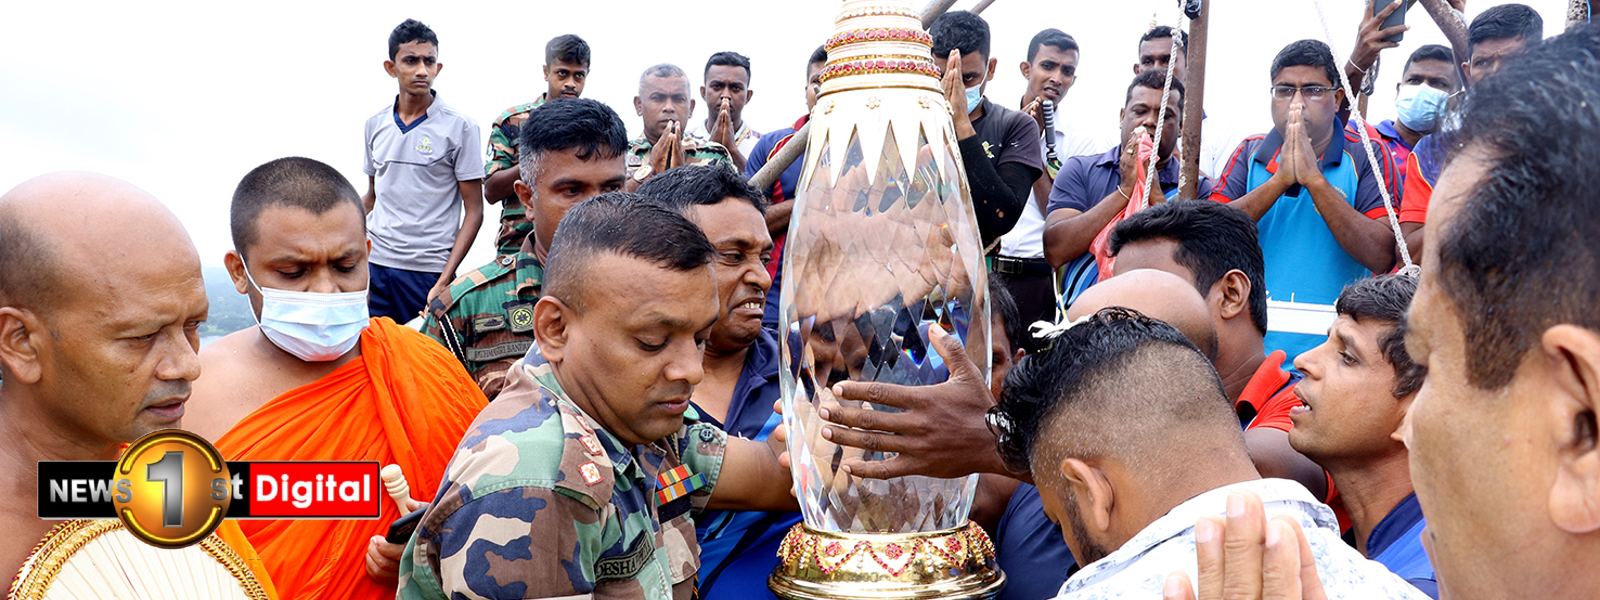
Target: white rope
(1366, 144)
(1161, 118)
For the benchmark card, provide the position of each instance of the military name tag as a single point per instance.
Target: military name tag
(628, 565)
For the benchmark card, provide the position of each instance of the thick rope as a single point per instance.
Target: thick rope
(1366, 144)
(1161, 120)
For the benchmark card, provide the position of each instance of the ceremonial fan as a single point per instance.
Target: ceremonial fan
(94, 559)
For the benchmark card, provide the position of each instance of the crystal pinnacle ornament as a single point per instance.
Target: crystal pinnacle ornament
(883, 247)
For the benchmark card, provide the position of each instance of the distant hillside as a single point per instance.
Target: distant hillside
(230, 310)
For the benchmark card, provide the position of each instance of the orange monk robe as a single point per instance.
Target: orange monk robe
(405, 401)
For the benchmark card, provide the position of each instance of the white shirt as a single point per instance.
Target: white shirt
(417, 171)
(1026, 239)
(1140, 567)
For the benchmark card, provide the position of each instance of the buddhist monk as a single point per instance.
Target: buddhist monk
(97, 342)
(317, 379)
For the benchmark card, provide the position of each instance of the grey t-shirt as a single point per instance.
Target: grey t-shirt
(418, 211)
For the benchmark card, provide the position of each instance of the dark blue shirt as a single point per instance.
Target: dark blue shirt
(1396, 543)
(1086, 180)
(1030, 549)
(739, 549)
(1081, 184)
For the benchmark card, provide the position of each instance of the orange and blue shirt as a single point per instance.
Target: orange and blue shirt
(1305, 264)
(1422, 173)
(1389, 137)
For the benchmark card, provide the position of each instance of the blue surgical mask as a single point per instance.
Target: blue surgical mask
(974, 96)
(315, 327)
(1420, 107)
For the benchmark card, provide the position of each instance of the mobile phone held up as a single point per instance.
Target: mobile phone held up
(1397, 18)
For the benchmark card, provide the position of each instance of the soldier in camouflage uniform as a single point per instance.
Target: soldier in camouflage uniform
(665, 105)
(566, 68)
(486, 317)
(583, 477)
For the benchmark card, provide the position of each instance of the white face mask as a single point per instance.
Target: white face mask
(1419, 107)
(315, 327)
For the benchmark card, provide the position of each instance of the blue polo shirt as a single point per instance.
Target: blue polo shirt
(1030, 549)
(1396, 543)
(1086, 180)
(739, 549)
(1306, 266)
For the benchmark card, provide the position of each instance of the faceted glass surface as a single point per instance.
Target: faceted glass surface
(871, 264)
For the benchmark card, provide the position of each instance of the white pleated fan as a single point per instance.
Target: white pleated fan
(99, 559)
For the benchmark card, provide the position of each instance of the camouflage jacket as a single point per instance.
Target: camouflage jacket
(503, 155)
(698, 150)
(503, 138)
(486, 317)
(539, 501)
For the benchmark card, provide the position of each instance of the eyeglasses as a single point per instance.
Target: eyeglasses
(1311, 92)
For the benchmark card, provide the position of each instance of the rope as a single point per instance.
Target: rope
(1161, 119)
(1409, 268)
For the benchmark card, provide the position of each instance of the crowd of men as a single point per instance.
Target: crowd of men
(594, 411)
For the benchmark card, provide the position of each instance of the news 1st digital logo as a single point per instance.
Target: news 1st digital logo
(171, 488)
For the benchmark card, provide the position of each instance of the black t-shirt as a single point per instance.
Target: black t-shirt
(1012, 136)
(1002, 159)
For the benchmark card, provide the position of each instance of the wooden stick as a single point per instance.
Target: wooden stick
(981, 5)
(934, 9)
(796, 147)
(1194, 99)
(1452, 23)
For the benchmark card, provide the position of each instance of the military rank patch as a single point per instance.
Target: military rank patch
(522, 318)
(590, 472)
(592, 446)
(677, 483)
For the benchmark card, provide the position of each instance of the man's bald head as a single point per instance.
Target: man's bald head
(57, 233)
(103, 302)
(1159, 295)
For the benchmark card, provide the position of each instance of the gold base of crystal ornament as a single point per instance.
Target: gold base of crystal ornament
(954, 563)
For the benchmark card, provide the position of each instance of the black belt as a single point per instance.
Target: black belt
(1006, 265)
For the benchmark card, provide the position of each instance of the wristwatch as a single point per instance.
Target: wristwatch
(643, 172)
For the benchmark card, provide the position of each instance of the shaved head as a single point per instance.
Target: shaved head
(57, 231)
(1159, 295)
(294, 182)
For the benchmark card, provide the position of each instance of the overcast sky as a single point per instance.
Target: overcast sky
(183, 99)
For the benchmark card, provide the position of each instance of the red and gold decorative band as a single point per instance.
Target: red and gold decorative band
(959, 550)
(919, 66)
(880, 34)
